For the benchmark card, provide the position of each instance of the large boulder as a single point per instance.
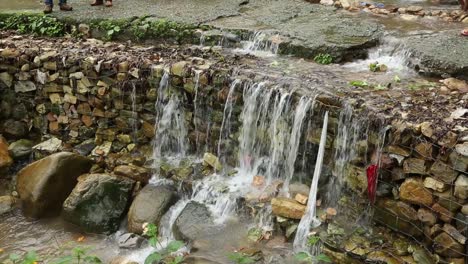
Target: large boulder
(151, 203)
(98, 202)
(194, 221)
(5, 159)
(46, 183)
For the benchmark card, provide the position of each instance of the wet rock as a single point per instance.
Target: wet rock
(300, 198)
(435, 184)
(130, 241)
(413, 191)
(398, 150)
(85, 147)
(414, 9)
(356, 178)
(55, 174)
(461, 187)
(414, 166)
(7, 204)
(6, 79)
(443, 172)
(133, 172)
(5, 159)
(98, 202)
(459, 161)
(212, 161)
(151, 203)
(287, 208)
(179, 68)
(194, 221)
(298, 188)
(446, 246)
(49, 146)
(382, 257)
(20, 148)
(14, 129)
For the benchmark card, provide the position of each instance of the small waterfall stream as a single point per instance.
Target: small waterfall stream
(309, 219)
(262, 44)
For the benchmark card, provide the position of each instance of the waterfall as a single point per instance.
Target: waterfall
(226, 123)
(261, 43)
(195, 111)
(133, 98)
(300, 241)
(300, 113)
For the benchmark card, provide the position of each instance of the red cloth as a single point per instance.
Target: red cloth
(372, 172)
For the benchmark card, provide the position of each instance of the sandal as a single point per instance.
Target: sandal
(464, 32)
(108, 3)
(97, 3)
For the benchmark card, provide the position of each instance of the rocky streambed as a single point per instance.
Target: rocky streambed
(218, 150)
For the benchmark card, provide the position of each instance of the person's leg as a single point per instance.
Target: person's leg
(64, 6)
(108, 3)
(48, 6)
(97, 2)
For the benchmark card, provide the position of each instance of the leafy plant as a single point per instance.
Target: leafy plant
(78, 255)
(359, 83)
(323, 58)
(313, 240)
(165, 255)
(29, 258)
(240, 258)
(377, 67)
(35, 24)
(306, 257)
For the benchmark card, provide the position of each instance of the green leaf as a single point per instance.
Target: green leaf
(359, 83)
(323, 257)
(117, 29)
(110, 32)
(92, 259)
(397, 79)
(30, 258)
(380, 87)
(174, 246)
(64, 260)
(313, 240)
(14, 257)
(153, 241)
(153, 257)
(302, 256)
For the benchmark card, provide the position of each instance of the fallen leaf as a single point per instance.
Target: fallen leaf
(81, 239)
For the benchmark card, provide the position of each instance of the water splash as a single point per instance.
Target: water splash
(261, 44)
(309, 219)
(196, 111)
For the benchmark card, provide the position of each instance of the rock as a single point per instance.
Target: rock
(5, 159)
(148, 129)
(14, 129)
(446, 246)
(448, 140)
(459, 161)
(414, 166)
(464, 209)
(287, 208)
(443, 172)
(85, 147)
(55, 174)
(326, 2)
(212, 161)
(151, 203)
(24, 86)
(426, 216)
(461, 187)
(49, 146)
(435, 184)
(398, 150)
(455, 84)
(130, 241)
(414, 9)
(300, 198)
(179, 68)
(7, 204)
(98, 202)
(258, 181)
(298, 188)
(444, 214)
(426, 129)
(194, 221)
(462, 149)
(6, 79)
(413, 191)
(356, 178)
(454, 233)
(133, 172)
(398, 216)
(20, 148)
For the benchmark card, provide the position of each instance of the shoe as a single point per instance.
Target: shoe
(108, 3)
(97, 3)
(65, 7)
(48, 9)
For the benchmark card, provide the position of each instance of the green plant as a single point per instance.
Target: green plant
(240, 258)
(323, 58)
(78, 255)
(35, 24)
(306, 257)
(164, 255)
(358, 83)
(29, 258)
(378, 67)
(313, 240)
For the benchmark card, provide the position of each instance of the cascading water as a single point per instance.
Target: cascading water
(261, 44)
(309, 219)
(195, 111)
(391, 53)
